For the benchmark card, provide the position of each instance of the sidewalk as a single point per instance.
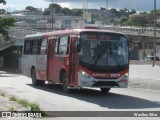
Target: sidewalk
(144, 76)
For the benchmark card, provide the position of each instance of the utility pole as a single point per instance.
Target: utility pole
(52, 14)
(155, 22)
(106, 4)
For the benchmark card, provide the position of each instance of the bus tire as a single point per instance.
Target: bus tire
(105, 90)
(64, 83)
(34, 79)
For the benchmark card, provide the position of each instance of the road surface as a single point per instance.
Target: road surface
(51, 97)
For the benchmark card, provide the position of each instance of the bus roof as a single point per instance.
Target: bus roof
(69, 31)
(34, 35)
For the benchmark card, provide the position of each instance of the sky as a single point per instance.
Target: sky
(139, 5)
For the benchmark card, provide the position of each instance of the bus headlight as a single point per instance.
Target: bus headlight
(124, 78)
(126, 75)
(85, 74)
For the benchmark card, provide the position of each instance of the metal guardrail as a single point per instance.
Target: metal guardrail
(18, 33)
(135, 31)
(148, 31)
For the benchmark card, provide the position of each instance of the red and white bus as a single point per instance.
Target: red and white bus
(77, 58)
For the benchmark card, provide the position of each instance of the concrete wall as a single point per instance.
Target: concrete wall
(136, 54)
(147, 51)
(1, 62)
(158, 53)
(20, 64)
(139, 62)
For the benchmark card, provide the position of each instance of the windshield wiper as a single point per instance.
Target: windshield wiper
(99, 56)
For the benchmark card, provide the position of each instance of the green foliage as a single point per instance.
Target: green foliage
(55, 7)
(25, 103)
(123, 20)
(122, 12)
(77, 12)
(30, 8)
(144, 13)
(13, 98)
(13, 108)
(66, 11)
(141, 20)
(34, 107)
(157, 11)
(5, 23)
(2, 11)
(3, 2)
(46, 11)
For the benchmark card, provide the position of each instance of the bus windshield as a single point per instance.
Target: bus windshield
(104, 49)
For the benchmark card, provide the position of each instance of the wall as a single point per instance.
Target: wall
(147, 51)
(137, 54)
(1, 62)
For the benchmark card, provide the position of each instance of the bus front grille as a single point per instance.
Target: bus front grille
(105, 83)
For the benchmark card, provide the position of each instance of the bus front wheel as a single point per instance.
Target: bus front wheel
(34, 79)
(64, 83)
(105, 90)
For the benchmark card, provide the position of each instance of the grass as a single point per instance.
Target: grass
(25, 103)
(13, 108)
(13, 98)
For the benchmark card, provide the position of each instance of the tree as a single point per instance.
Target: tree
(3, 2)
(123, 20)
(132, 12)
(102, 9)
(77, 12)
(2, 11)
(141, 20)
(144, 13)
(157, 11)
(66, 11)
(30, 8)
(46, 11)
(5, 23)
(114, 11)
(55, 7)
(52, 8)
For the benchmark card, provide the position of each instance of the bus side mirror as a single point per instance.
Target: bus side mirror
(78, 48)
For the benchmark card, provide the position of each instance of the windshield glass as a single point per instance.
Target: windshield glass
(104, 49)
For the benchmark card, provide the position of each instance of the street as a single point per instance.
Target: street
(51, 97)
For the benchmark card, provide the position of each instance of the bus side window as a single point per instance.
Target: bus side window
(63, 45)
(35, 46)
(57, 45)
(43, 46)
(27, 47)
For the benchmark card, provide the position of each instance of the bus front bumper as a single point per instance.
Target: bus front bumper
(89, 81)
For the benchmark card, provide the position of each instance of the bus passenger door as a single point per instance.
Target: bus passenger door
(73, 59)
(50, 65)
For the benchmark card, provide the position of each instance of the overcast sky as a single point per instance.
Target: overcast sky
(139, 5)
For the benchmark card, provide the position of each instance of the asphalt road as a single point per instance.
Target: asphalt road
(51, 98)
